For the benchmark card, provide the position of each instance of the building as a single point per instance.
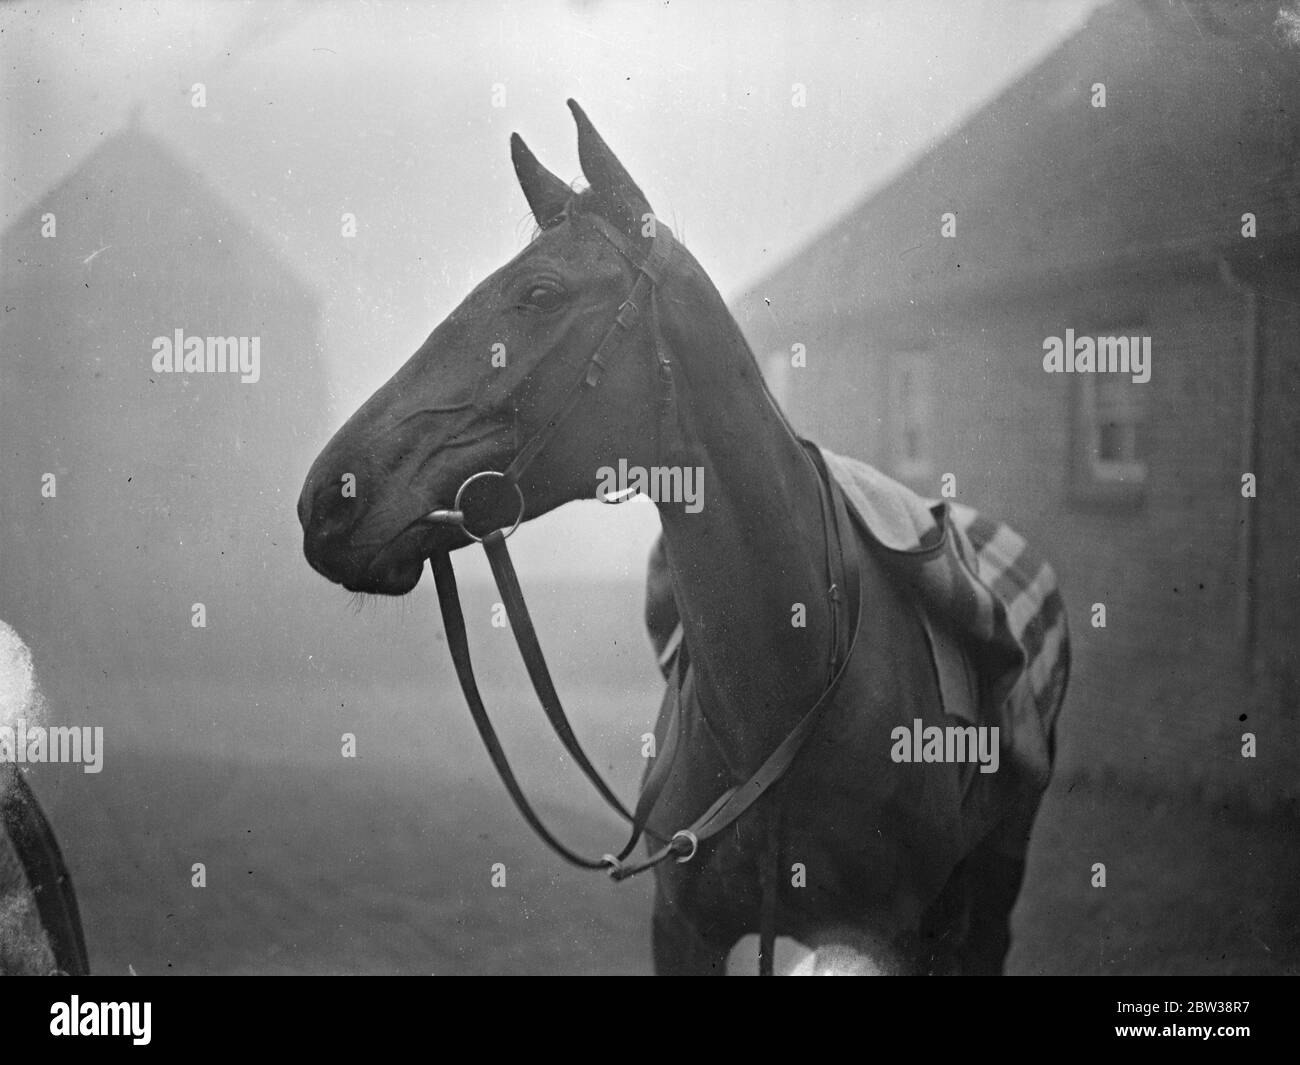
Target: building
(128, 495)
(1142, 181)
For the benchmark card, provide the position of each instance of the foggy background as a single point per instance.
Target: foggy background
(223, 743)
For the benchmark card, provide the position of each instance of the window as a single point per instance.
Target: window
(911, 404)
(1110, 438)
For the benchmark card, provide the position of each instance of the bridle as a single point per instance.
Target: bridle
(842, 581)
(642, 297)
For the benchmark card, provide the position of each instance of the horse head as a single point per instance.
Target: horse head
(489, 379)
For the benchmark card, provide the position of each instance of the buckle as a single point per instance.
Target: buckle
(628, 313)
(596, 368)
(691, 838)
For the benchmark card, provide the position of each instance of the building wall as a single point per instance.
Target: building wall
(171, 489)
(1159, 691)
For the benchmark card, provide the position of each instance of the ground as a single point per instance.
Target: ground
(384, 864)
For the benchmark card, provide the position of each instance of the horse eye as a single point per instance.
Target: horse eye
(543, 298)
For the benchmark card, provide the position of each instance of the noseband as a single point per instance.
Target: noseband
(842, 581)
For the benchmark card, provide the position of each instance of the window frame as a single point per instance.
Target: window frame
(1093, 480)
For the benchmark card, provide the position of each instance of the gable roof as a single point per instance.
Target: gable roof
(133, 191)
(1201, 125)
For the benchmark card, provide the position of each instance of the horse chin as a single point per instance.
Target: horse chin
(393, 578)
(397, 568)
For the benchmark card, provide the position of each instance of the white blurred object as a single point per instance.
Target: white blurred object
(836, 960)
(743, 959)
(20, 698)
(795, 959)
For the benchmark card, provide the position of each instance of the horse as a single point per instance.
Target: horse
(798, 652)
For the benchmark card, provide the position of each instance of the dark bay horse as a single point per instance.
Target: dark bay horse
(920, 863)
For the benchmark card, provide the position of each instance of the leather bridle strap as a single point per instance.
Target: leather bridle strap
(457, 640)
(732, 803)
(641, 299)
(453, 621)
(649, 273)
(521, 624)
(727, 807)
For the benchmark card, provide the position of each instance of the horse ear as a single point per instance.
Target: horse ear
(546, 194)
(613, 194)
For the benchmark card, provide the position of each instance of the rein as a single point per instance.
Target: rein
(843, 583)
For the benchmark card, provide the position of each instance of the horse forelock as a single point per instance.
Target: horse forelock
(576, 205)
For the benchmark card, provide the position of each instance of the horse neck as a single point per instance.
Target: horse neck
(748, 568)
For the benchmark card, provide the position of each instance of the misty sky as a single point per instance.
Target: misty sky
(386, 110)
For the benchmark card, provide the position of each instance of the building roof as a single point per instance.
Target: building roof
(134, 192)
(1201, 125)
(164, 481)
